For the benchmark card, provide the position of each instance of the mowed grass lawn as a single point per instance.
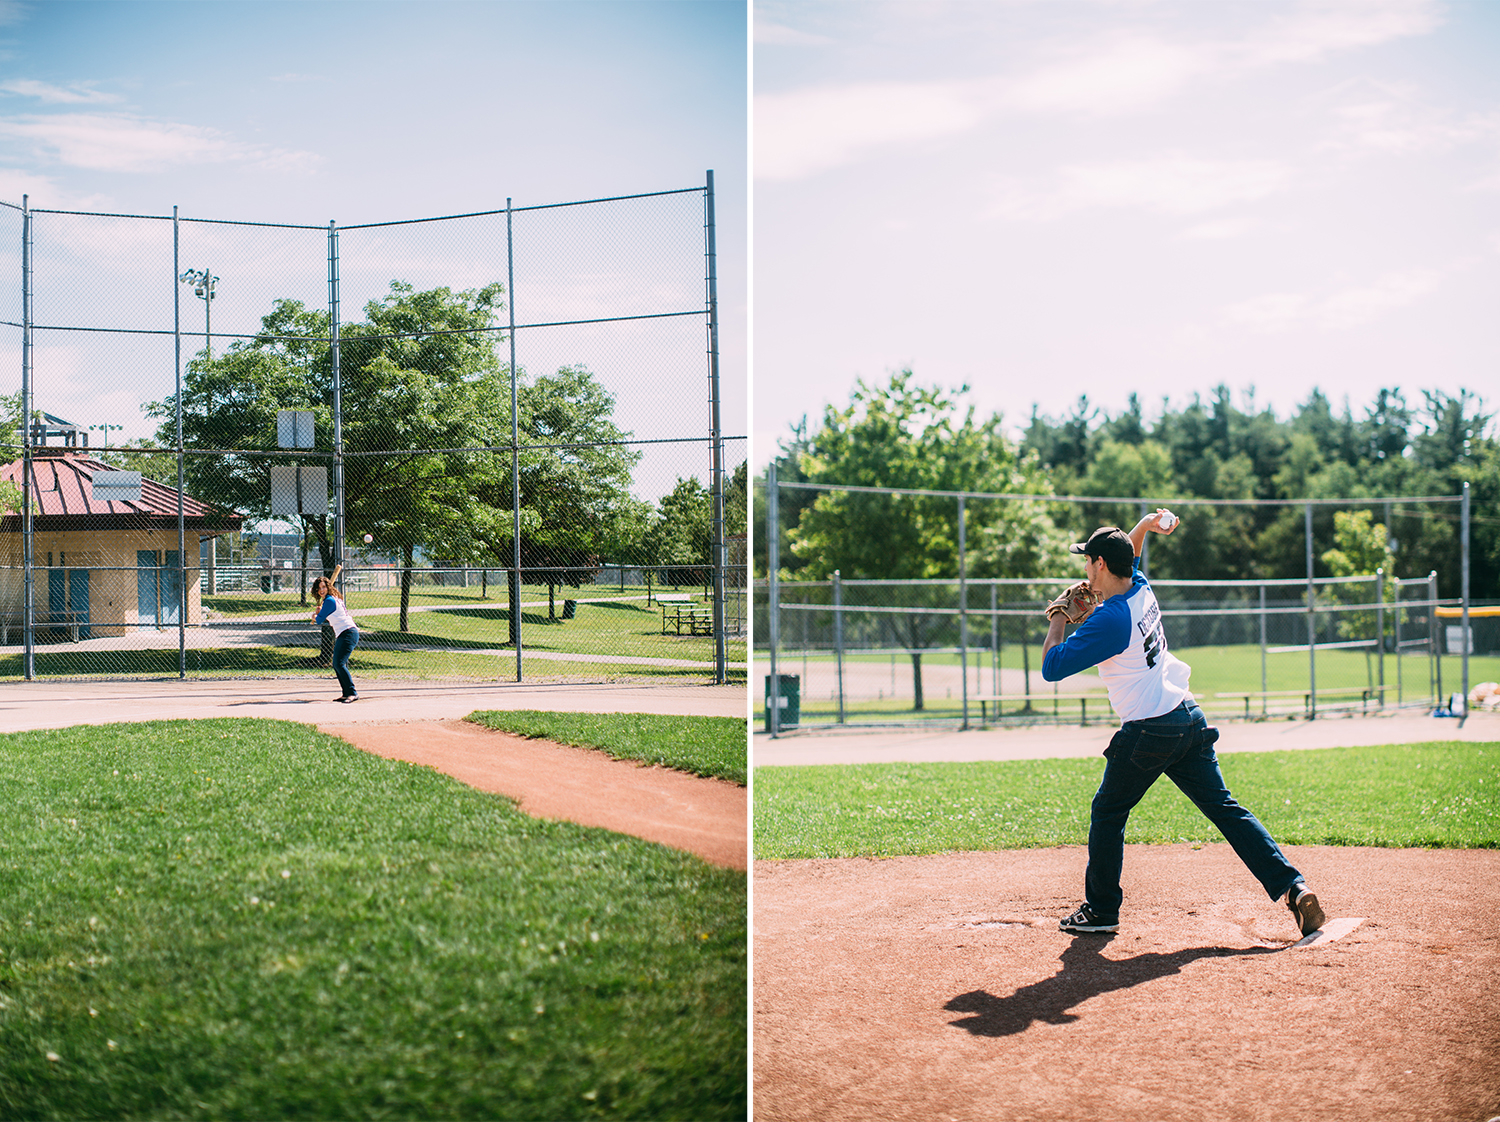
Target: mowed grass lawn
(713, 747)
(1437, 794)
(250, 919)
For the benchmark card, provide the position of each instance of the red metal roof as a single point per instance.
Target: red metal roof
(62, 497)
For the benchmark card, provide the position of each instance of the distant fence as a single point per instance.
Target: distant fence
(968, 650)
(529, 414)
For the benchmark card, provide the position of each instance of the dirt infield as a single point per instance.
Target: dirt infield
(941, 988)
(703, 816)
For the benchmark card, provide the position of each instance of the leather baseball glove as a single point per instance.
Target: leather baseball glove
(1076, 603)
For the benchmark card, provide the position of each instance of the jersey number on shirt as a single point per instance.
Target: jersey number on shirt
(1155, 643)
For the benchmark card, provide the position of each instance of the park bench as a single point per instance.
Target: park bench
(1038, 699)
(1365, 694)
(680, 609)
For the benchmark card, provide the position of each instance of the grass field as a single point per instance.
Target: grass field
(249, 919)
(1438, 794)
(714, 747)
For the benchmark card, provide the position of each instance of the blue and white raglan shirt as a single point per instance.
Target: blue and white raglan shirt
(1124, 638)
(336, 614)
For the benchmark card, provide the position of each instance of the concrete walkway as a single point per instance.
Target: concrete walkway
(868, 746)
(54, 704)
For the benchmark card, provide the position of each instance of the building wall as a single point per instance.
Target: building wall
(114, 576)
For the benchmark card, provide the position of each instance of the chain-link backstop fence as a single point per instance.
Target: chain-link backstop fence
(505, 428)
(968, 648)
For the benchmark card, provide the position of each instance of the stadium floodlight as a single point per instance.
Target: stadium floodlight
(203, 283)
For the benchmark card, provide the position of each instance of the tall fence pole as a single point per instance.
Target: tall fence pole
(1262, 648)
(515, 445)
(1463, 635)
(838, 636)
(335, 349)
(773, 597)
(963, 607)
(1312, 621)
(28, 557)
(181, 474)
(720, 557)
(1380, 632)
(1434, 652)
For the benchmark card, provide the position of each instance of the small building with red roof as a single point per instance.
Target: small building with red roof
(103, 567)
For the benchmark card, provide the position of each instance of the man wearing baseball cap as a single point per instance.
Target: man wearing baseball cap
(1163, 732)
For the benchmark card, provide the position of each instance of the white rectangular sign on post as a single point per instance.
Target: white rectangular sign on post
(283, 490)
(298, 490)
(294, 428)
(117, 486)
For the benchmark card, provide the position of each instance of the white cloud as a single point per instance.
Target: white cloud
(76, 94)
(1334, 310)
(124, 143)
(1175, 184)
(1222, 229)
(1122, 75)
(803, 132)
(1319, 28)
(1392, 119)
(809, 131)
(770, 33)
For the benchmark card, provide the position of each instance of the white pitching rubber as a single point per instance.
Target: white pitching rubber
(1330, 932)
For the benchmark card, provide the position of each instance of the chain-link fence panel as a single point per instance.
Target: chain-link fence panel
(481, 423)
(968, 648)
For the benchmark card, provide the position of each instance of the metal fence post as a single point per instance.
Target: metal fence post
(1434, 652)
(838, 636)
(181, 479)
(1463, 635)
(335, 349)
(773, 597)
(963, 608)
(28, 554)
(1399, 679)
(1263, 689)
(1312, 621)
(718, 435)
(1380, 632)
(515, 447)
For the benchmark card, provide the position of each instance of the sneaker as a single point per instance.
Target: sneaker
(1086, 921)
(1304, 905)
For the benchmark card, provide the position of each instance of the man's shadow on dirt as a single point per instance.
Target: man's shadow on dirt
(1085, 973)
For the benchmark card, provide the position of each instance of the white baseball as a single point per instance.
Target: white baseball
(369, 538)
(1167, 520)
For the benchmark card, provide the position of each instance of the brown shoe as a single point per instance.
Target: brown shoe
(1304, 905)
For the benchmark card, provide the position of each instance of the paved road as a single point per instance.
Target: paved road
(51, 704)
(892, 746)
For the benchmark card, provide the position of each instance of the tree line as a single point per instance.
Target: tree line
(907, 435)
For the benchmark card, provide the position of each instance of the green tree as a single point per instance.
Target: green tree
(907, 436)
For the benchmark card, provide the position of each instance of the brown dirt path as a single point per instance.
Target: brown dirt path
(941, 988)
(703, 816)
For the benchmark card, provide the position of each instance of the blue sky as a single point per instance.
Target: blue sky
(1101, 197)
(364, 112)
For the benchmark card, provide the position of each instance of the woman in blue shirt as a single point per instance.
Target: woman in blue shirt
(334, 612)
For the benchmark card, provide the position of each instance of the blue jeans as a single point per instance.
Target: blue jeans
(1179, 745)
(343, 647)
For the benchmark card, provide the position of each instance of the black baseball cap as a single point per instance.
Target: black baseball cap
(1110, 543)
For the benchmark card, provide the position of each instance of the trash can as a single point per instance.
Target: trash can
(787, 700)
(569, 607)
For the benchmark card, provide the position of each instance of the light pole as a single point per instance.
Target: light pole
(203, 283)
(106, 430)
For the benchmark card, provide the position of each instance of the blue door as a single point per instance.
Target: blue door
(147, 587)
(171, 590)
(57, 596)
(78, 601)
